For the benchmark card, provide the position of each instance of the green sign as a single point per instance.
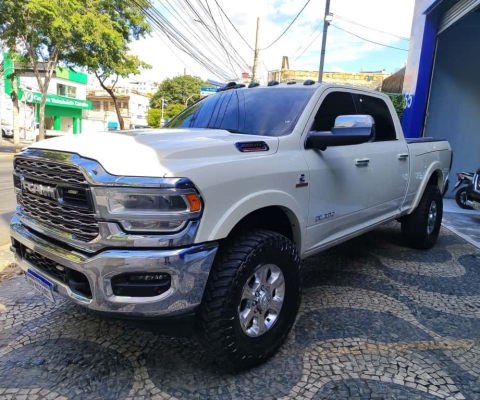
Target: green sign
(61, 101)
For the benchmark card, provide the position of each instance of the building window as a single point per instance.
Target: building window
(105, 106)
(67, 91)
(96, 105)
(112, 104)
(125, 105)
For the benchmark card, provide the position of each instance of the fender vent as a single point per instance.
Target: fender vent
(248, 147)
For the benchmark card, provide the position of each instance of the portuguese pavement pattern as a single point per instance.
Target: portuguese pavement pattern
(377, 321)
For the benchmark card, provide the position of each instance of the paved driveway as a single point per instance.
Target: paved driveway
(377, 321)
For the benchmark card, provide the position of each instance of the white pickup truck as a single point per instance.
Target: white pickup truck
(211, 216)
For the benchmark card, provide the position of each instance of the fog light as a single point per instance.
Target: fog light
(141, 284)
(147, 278)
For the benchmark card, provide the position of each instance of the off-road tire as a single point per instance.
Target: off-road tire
(458, 198)
(218, 320)
(415, 226)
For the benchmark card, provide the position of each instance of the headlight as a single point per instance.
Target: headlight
(153, 210)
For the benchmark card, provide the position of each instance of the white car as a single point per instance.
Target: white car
(7, 129)
(210, 216)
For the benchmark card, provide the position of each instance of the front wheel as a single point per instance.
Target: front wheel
(421, 228)
(461, 198)
(251, 300)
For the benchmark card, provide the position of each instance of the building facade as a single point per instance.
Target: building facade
(133, 108)
(66, 101)
(367, 79)
(441, 92)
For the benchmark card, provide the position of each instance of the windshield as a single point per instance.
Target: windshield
(5, 122)
(268, 111)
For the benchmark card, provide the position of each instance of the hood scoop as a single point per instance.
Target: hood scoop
(249, 147)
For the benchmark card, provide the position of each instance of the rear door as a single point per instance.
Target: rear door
(389, 159)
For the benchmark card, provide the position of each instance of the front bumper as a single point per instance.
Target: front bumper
(189, 269)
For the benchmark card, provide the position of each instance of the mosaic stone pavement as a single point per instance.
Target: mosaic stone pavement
(377, 321)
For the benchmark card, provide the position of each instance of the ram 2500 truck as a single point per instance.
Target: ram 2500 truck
(211, 215)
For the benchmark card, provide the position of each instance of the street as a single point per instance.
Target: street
(377, 320)
(7, 196)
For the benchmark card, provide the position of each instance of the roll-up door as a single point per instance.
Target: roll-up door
(457, 12)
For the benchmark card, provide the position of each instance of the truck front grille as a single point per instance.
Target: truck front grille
(72, 212)
(47, 171)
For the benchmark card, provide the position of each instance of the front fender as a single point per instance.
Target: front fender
(255, 201)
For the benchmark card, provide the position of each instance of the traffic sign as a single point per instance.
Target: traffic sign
(208, 89)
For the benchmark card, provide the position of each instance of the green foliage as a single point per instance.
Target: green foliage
(177, 90)
(154, 116)
(94, 34)
(398, 101)
(173, 110)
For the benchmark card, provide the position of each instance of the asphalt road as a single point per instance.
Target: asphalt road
(7, 196)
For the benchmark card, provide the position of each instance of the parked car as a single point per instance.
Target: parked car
(7, 129)
(210, 216)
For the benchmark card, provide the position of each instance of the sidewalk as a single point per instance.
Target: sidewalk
(6, 256)
(464, 223)
(7, 146)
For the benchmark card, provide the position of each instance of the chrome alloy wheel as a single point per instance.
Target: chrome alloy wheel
(262, 300)
(432, 217)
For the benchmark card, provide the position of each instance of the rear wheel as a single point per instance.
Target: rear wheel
(251, 300)
(421, 228)
(461, 198)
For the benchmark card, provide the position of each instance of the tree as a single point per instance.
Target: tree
(44, 31)
(177, 90)
(105, 54)
(173, 110)
(90, 33)
(154, 116)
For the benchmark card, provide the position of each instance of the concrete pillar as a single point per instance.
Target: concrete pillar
(57, 125)
(75, 125)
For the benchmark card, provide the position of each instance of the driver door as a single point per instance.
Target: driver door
(340, 177)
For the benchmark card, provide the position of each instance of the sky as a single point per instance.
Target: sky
(345, 52)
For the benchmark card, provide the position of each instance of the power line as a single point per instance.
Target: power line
(231, 23)
(367, 27)
(371, 41)
(306, 48)
(288, 27)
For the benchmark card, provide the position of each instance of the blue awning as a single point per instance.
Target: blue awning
(112, 124)
(215, 83)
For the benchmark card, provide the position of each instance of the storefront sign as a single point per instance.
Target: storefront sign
(52, 100)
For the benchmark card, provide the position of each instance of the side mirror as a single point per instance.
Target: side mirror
(348, 130)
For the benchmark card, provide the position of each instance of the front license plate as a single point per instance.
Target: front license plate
(41, 284)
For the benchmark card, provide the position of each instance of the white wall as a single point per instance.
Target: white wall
(92, 126)
(31, 81)
(66, 124)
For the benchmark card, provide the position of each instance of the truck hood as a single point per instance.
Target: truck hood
(157, 152)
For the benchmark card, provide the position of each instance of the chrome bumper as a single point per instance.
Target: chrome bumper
(189, 269)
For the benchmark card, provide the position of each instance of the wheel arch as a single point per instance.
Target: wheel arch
(283, 215)
(435, 176)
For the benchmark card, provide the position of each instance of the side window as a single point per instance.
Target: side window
(334, 105)
(378, 109)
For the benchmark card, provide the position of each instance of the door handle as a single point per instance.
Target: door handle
(362, 162)
(403, 157)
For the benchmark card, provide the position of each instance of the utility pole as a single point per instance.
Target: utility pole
(326, 23)
(255, 54)
(163, 106)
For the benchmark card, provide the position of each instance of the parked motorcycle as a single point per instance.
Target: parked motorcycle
(473, 192)
(464, 178)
